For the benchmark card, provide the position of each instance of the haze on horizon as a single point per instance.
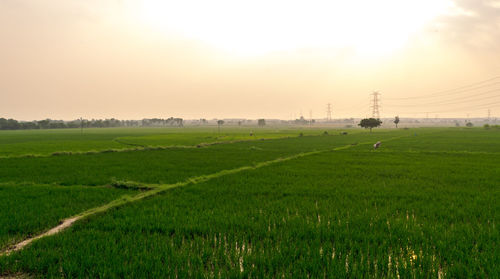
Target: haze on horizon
(131, 59)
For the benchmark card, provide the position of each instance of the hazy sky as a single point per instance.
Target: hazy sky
(63, 59)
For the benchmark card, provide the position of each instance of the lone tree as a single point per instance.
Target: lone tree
(220, 123)
(370, 123)
(262, 122)
(396, 121)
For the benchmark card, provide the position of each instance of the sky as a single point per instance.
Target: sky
(130, 59)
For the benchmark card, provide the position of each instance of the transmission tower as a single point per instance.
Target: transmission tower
(329, 112)
(375, 105)
(489, 115)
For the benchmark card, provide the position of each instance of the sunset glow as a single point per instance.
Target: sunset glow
(182, 58)
(259, 27)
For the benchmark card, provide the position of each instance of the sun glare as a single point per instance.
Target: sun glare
(258, 27)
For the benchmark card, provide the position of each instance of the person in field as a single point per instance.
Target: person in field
(377, 145)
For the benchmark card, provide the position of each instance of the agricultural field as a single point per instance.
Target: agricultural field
(59, 141)
(177, 203)
(28, 210)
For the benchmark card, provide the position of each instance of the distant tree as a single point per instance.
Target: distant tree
(9, 124)
(469, 124)
(262, 122)
(179, 122)
(301, 121)
(396, 121)
(370, 123)
(12, 124)
(239, 123)
(29, 125)
(44, 124)
(220, 123)
(56, 125)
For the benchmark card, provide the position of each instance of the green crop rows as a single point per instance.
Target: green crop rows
(30, 209)
(47, 142)
(425, 205)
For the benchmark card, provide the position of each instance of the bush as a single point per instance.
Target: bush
(487, 126)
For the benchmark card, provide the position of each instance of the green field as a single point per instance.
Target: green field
(30, 209)
(282, 203)
(47, 142)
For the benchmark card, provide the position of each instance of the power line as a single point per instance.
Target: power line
(432, 96)
(464, 99)
(475, 107)
(474, 93)
(453, 91)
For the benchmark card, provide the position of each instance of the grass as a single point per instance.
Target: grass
(47, 142)
(27, 210)
(423, 205)
(167, 165)
(448, 140)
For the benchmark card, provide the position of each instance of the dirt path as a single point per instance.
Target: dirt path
(64, 224)
(15, 276)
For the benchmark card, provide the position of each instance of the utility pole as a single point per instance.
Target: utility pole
(310, 117)
(375, 105)
(328, 112)
(489, 115)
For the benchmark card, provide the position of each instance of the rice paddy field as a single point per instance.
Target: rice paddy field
(246, 202)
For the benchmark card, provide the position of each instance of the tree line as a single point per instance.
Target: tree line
(12, 124)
